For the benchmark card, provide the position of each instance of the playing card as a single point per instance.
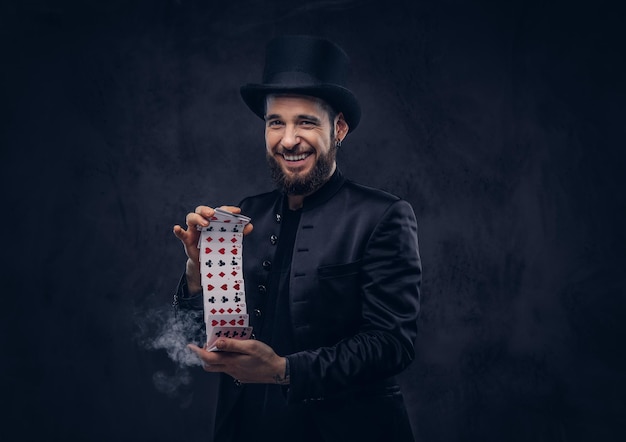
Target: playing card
(221, 273)
(215, 333)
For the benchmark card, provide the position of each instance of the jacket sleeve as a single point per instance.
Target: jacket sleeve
(389, 280)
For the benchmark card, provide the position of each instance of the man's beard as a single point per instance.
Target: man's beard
(303, 184)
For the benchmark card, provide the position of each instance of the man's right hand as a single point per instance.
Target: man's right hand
(190, 237)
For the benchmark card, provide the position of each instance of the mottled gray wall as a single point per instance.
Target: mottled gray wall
(501, 122)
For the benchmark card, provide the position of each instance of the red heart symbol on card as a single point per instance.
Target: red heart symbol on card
(214, 323)
(236, 286)
(222, 251)
(241, 322)
(222, 322)
(224, 287)
(213, 218)
(233, 251)
(210, 287)
(233, 322)
(207, 250)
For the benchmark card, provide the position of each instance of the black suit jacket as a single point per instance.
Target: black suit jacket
(354, 301)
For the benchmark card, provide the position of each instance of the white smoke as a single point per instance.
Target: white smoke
(164, 330)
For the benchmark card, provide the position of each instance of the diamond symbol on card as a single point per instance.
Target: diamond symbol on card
(221, 239)
(229, 310)
(234, 240)
(213, 311)
(234, 273)
(209, 275)
(222, 274)
(238, 310)
(209, 239)
(221, 310)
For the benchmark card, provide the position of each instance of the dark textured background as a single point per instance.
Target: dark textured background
(501, 122)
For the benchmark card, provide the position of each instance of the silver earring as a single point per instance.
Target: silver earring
(338, 144)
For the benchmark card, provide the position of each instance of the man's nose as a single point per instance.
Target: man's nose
(290, 137)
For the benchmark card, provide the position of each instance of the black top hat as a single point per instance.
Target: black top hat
(308, 66)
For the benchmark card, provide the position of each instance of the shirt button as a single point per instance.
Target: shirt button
(273, 239)
(262, 289)
(257, 312)
(267, 265)
(237, 382)
(278, 217)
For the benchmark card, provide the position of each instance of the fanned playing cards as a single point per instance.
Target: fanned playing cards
(221, 272)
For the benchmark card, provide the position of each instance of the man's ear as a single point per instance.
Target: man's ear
(341, 127)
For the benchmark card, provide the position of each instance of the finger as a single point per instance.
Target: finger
(205, 211)
(179, 232)
(231, 209)
(196, 219)
(248, 229)
(234, 346)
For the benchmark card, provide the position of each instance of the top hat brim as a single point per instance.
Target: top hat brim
(339, 98)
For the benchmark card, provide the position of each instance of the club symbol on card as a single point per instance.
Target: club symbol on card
(224, 299)
(235, 334)
(233, 262)
(221, 263)
(236, 229)
(237, 298)
(218, 334)
(243, 334)
(209, 263)
(222, 229)
(227, 334)
(211, 299)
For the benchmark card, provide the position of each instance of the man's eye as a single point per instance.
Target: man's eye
(274, 123)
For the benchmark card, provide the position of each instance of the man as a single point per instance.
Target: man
(331, 268)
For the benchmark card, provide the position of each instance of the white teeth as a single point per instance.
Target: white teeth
(295, 157)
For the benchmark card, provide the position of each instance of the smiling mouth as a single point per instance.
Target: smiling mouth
(299, 157)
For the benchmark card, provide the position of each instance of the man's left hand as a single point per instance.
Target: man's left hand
(248, 361)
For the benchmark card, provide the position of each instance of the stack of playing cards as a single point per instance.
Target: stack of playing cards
(221, 271)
